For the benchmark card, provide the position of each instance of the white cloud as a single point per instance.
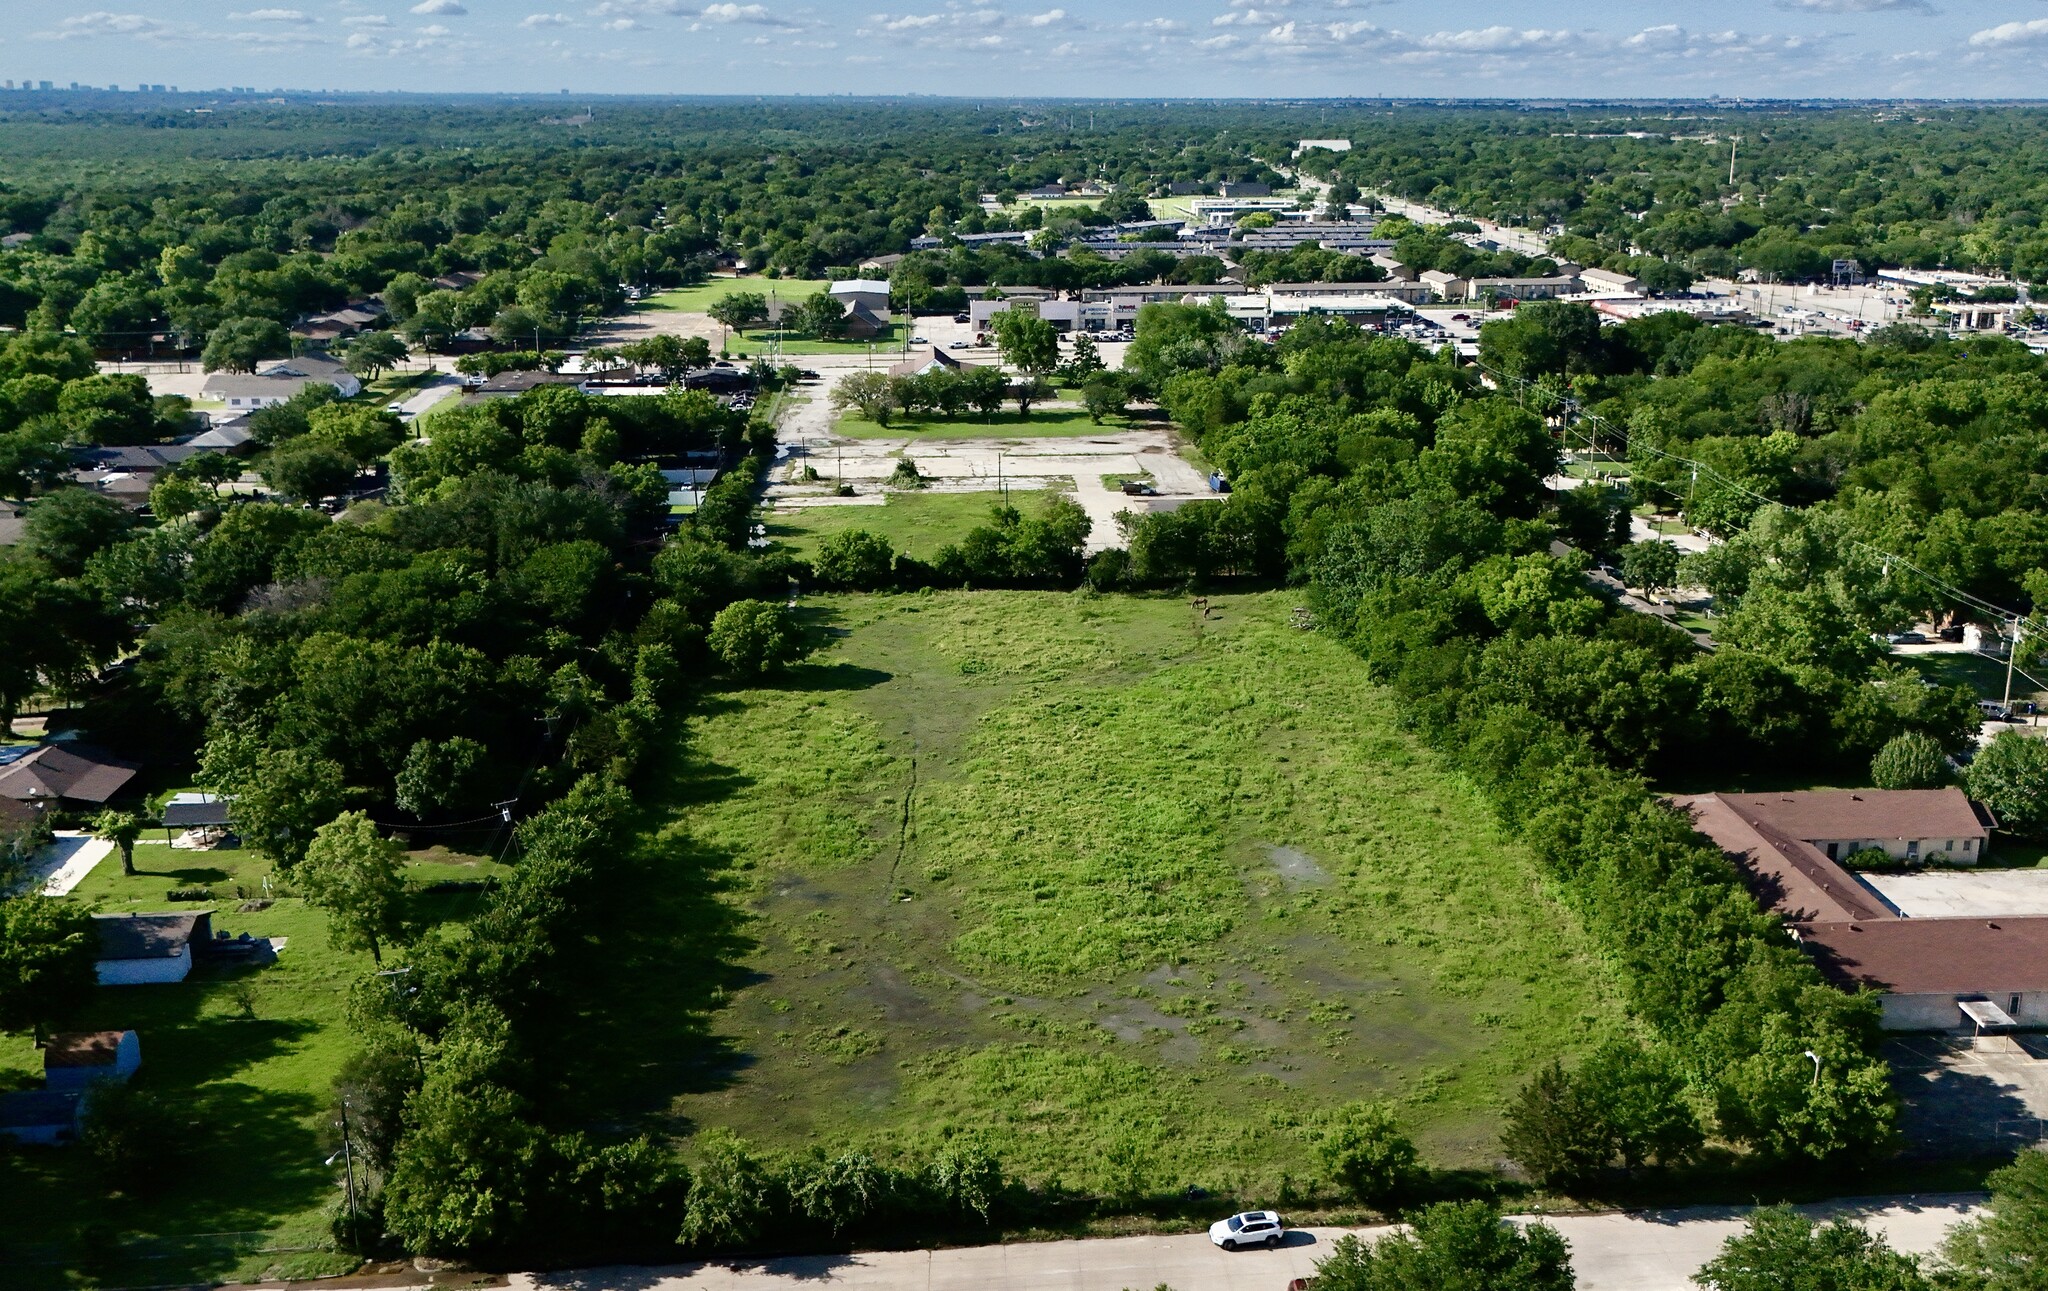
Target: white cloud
(452, 8)
(534, 20)
(623, 24)
(740, 13)
(1857, 6)
(2007, 35)
(1046, 19)
(273, 15)
(1495, 40)
(366, 20)
(102, 23)
(909, 21)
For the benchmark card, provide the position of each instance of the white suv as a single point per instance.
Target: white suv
(1252, 1228)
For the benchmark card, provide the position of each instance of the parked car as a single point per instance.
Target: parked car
(919, 340)
(1139, 489)
(1252, 1228)
(956, 345)
(1950, 634)
(1908, 638)
(962, 318)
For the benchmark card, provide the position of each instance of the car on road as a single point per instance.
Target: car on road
(956, 345)
(1252, 1228)
(919, 340)
(1140, 489)
(1908, 638)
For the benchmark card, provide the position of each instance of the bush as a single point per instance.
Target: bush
(752, 638)
(854, 561)
(1448, 1246)
(1911, 761)
(1366, 1152)
(189, 894)
(732, 1195)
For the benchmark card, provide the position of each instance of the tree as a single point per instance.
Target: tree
(1911, 761)
(822, 314)
(1452, 1246)
(1104, 396)
(132, 1136)
(1780, 1248)
(357, 876)
(2006, 1247)
(47, 950)
(2010, 776)
(752, 638)
(1365, 1151)
(282, 796)
(307, 470)
(873, 393)
(1650, 565)
(1084, 363)
(121, 828)
(984, 389)
(369, 354)
(239, 344)
(1027, 342)
(854, 560)
(739, 310)
(66, 528)
(731, 1194)
(1028, 390)
(1556, 1130)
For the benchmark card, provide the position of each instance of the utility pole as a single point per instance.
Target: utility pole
(348, 1171)
(2011, 653)
(1731, 159)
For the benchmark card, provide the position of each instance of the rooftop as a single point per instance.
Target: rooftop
(57, 771)
(83, 1048)
(149, 936)
(1932, 956)
(1845, 814)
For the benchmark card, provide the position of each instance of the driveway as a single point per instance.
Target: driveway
(1642, 1251)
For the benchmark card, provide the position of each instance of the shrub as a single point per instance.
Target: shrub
(752, 638)
(2010, 776)
(856, 561)
(732, 1195)
(1911, 761)
(1366, 1152)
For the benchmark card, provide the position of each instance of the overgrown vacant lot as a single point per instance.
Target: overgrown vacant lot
(1134, 895)
(917, 523)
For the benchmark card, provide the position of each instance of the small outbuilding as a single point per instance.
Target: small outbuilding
(139, 949)
(42, 1116)
(78, 1060)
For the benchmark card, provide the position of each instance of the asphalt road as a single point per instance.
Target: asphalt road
(1642, 1251)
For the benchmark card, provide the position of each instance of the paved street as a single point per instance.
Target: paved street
(1644, 1251)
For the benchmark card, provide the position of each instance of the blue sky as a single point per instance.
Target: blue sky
(1098, 48)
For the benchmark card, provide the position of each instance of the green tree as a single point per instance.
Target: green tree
(1911, 761)
(873, 394)
(1452, 1246)
(282, 796)
(47, 950)
(1104, 397)
(357, 876)
(133, 1137)
(1364, 1150)
(121, 828)
(1029, 390)
(67, 528)
(2006, 1247)
(752, 638)
(732, 1194)
(1027, 342)
(1556, 1129)
(1085, 362)
(1651, 565)
(307, 470)
(739, 310)
(239, 344)
(1780, 1248)
(370, 354)
(854, 560)
(439, 774)
(2010, 776)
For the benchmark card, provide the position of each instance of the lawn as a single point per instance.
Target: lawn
(1134, 895)
(919, 523)
(700, 298)
(887, 347)
(1043, 423)
(251, 1194)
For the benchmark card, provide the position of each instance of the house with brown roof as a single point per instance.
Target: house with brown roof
(1934, 974)
(78, 1060)
(71, 774)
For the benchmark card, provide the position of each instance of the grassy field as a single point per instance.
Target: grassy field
(698, 299)
(887, 347)
(247, 1056)
(919, 523)
(1043, 423)
(1133, 895)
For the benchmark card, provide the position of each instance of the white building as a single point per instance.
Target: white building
(871, 292)
(277, 381)
(142, 949)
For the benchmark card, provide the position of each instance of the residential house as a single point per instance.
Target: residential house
(278, 381)
(1443, 285)
(1934, 974)
(137, 949)
(72, 775)
(78, 1060)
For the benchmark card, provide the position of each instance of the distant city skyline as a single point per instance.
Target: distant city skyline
(1092, 48)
